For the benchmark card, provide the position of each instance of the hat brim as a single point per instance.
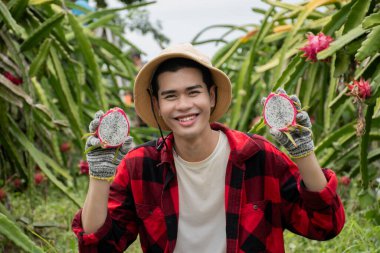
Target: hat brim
(143, 104)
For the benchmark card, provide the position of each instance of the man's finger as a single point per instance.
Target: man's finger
(93, 141)
(126, 145)
(281, 91)
(99, 114)
(275, 132)
(296, 101)
(303, 119)
(93, 125)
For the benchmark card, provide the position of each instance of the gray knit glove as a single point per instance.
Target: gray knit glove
(302, 135)
(103, 162)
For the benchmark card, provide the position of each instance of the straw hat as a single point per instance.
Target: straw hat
(142, 84)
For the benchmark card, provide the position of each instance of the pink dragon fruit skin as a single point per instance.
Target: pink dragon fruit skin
(315, 44)
(361, 88)
(279, 112)
(113, 128)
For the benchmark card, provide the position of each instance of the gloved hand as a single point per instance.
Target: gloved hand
(102, 162)
(302, 134)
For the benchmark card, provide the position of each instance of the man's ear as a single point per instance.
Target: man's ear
(213, 95)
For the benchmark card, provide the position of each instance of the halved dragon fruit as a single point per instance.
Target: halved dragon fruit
(279, 111)
(113, 129)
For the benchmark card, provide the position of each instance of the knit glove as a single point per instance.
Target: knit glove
(103, 161)
(301, 134)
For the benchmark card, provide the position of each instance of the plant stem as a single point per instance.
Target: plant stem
(364, 146)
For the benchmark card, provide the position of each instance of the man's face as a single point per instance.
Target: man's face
(184, 102)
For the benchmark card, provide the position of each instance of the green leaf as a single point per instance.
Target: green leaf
(274, 37)
(337, 20)
(10, 230)
(10, 97)
(286, 45)
(356, 15)
(340, 99)
(342, 63)
(16, 90)
(334, 136)
(101, 13)
(42, 31)
(101, 22)
(40, 59)
(289, 71)
(330, 96)
(375, 90)
(108, 46)
(245, 74)
(65, 97)
(309, 84)
(368, 69)
(287, 6)
(18, 8)
(7, 143)
(226, 52)
(258, 126)
(275, 60)
(89, 56)
(41, 159)
(40, 92)
(341, 42)
(6, 16)
(258, 10)
(250, 105)
(370, 46)
(371, 21)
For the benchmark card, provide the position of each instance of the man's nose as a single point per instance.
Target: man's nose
(183, 103)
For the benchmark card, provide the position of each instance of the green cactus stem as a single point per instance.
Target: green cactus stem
(364, 146)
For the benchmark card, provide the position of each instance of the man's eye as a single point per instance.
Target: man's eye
(194, 92)
(169, 97)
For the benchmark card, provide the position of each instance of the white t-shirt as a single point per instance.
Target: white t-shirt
(202, 217)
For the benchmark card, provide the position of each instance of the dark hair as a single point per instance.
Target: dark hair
(175, 64)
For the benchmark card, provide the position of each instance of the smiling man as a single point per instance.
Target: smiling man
(203, 187)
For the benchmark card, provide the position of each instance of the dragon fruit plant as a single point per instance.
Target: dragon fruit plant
(280, 112)
(360, 89)
(315, 44)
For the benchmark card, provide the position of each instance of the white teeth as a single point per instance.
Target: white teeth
(186, 118)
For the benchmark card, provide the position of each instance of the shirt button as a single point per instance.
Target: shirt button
(255, 207)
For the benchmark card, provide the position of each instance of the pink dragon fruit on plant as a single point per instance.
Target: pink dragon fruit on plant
(360, 89)
(3, 194)
(83, 167)
(38, 178)
(14, 79)
(315, 44)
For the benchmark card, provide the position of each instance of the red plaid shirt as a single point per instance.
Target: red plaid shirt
(264, 195)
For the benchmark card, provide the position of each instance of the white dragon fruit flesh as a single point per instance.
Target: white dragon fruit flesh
(113, 128)
(279, 112)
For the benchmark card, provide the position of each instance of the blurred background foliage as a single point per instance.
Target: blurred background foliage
(62, 61)
(268, 56)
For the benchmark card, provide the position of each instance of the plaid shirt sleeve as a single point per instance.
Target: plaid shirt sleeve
(315, 215)
(120, 227)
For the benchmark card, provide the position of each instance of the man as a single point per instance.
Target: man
(204, 187)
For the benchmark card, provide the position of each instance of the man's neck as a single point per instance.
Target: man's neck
(198, 149)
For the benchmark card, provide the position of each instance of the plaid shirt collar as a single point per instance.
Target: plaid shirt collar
(239, 153)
